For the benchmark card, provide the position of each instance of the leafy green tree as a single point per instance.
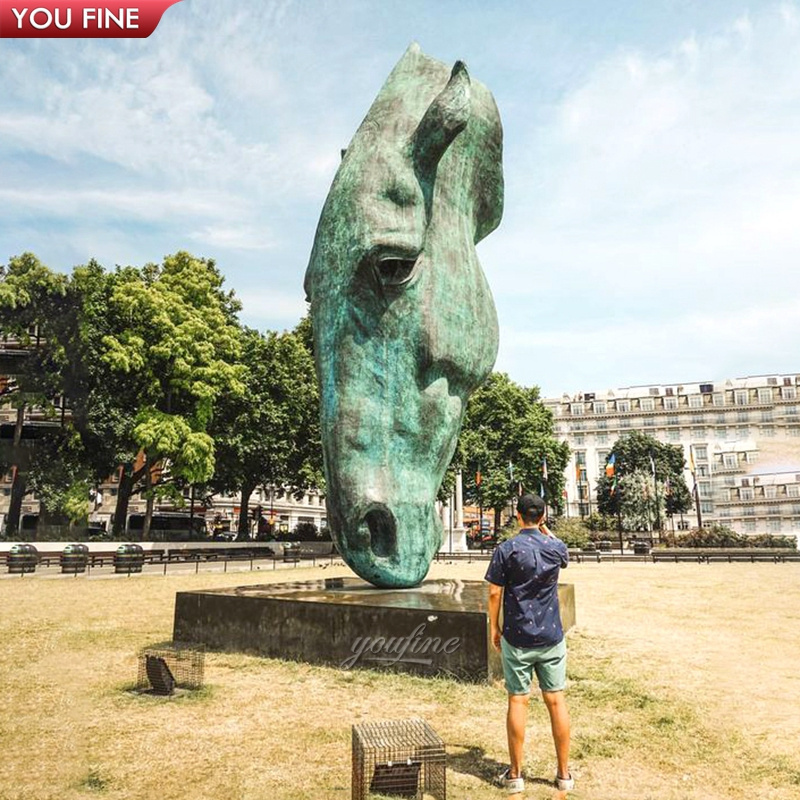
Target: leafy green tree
(32, 299)
(506, 436)
(269, 434)
(179, 346)
(635, 498)
(573, 532)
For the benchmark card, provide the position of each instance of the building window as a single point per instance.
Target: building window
(650, 422)
(578, 438)
(701, 453)
(788, 392)
(765, 395)
(719, 399)
(773, 510)
(746, 493)
(722, 433)
(730, 460)
(793, 490)
(623, 406)
(703, 471)
(602, 424)
(625, 423)
(576, 409)
(695, 401)
(743, 431)
(602, 438)
(740, 397)
(766, 415)
(674, 435)
(670, 403)
(672, 419)
(698, 434)
(767, 431)
(790, 411)
(793, 430)
(770, 491)
(706, 507)
(704, 488)
(647, 404)
(749, 526)
(773, 525)
(600, 407)
(749, 511)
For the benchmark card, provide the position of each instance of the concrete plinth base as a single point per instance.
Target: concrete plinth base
(455, 541)
(438, 628)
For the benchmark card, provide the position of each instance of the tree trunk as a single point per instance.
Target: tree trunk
(148, 489)
(243, 530)
(127, 483)
(18, 491)
(19, 486)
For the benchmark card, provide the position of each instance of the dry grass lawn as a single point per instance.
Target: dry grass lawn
(684, 684)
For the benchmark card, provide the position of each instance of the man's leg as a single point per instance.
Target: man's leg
(559, 723)
(515, 726)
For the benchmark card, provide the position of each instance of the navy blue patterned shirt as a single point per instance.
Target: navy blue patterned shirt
(527, 567)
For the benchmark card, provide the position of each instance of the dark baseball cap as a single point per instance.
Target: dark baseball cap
(531, 506)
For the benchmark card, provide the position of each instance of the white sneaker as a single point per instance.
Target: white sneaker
(565, 784)
(512, 785)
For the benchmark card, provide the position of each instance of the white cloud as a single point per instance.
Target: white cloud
(234, 237)
(259, 304)
(668, 196)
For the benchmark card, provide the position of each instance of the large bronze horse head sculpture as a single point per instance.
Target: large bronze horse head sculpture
(404, 323)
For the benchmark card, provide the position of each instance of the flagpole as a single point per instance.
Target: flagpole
(695, 490)
(655, 495)
(618, 492)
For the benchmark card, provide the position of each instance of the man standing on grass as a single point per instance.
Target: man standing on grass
(524, 572)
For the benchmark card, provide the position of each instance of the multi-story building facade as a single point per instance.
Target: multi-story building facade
(743, 434)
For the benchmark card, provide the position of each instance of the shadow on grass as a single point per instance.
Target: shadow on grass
(474, 761)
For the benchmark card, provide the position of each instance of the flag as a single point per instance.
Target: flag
(478, 477)
(612, 460)
(577, 472)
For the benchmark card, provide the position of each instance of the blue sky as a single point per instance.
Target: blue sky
(652, 164)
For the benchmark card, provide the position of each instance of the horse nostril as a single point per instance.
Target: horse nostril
(382, 531)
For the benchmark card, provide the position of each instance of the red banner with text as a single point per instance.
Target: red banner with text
(80, 19)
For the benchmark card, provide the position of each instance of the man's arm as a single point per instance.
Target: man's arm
(495, 598)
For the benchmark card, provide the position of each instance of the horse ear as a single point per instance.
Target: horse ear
(445, 118)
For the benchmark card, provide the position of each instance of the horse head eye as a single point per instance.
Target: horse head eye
(394, 272)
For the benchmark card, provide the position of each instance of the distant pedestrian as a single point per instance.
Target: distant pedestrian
(523, 575)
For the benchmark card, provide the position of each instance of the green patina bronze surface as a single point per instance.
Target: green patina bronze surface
(404, 323)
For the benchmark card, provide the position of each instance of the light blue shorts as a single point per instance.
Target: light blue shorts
(549, 664)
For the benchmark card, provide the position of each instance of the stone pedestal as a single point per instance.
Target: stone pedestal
(455, 543)
(438, 628)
